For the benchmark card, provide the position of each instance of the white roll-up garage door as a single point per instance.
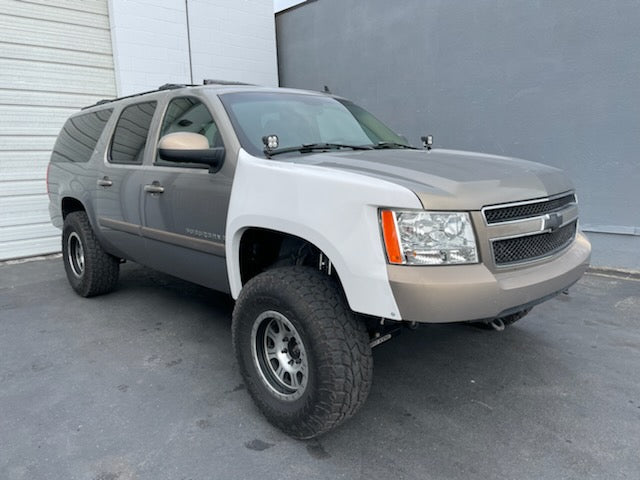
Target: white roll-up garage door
(55, 57)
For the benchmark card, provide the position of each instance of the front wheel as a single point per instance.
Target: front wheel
(304, 357)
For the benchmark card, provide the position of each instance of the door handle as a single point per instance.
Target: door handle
(154, 187)
(105, 182)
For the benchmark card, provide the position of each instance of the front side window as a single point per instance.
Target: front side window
(188, 114)
(300, 119)
(131, 133)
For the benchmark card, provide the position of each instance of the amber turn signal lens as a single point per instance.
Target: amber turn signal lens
(390, 235)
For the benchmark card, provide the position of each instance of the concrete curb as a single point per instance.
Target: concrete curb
(614, 272)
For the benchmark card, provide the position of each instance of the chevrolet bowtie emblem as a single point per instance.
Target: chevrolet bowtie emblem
(551, 222)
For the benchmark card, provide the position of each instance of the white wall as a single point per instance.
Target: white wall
(233, 40)
(229, 39)
(55, 57)
(279, 5)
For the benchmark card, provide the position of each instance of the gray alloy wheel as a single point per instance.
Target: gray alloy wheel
(75, 254)
(279, 355)
(303, 355)
(90, 270)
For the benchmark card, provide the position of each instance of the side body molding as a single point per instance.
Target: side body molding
(335, 210)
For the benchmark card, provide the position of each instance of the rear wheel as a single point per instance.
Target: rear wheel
(305, 359)
(90, 270)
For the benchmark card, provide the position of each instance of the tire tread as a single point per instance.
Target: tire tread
(101, 269)
(348, 373)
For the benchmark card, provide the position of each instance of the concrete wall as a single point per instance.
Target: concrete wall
(554, 82)
(177, 41)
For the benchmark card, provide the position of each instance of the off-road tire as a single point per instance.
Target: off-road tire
(340, 365)
(99, 272)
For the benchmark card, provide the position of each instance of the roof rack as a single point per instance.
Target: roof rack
(109, 100)
(167, 86)
(173, 86)
(210, 81)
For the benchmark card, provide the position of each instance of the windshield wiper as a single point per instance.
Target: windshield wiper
(309, 147)
(381, 145)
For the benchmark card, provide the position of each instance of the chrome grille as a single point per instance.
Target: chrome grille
(531, 247)
(526, 210)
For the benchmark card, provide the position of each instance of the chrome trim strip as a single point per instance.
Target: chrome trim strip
(206, 246)
(214, 248)
(526, 202)
(126, 227)
(566, 222)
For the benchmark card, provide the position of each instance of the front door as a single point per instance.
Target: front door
(184, 206)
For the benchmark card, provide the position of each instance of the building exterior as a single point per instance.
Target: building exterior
(553, 82)
(56, 57)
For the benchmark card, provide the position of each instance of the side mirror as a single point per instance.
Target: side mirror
(427, 142)
(188, 147)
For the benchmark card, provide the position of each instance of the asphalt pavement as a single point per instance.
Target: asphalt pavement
(142, 384)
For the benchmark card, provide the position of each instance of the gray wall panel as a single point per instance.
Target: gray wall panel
(554, 82)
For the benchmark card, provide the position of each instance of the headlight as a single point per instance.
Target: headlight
(428, 238)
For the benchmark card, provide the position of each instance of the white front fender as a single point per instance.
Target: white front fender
(335, 210)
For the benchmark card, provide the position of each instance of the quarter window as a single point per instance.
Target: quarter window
(131, 133)
(79, 137)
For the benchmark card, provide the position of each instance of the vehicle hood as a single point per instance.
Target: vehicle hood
(450, 179)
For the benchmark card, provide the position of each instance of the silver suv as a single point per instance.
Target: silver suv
(329, 229)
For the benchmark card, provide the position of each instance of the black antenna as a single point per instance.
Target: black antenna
(326, 89)
(186, 8)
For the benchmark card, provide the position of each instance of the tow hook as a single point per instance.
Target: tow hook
(497, 324)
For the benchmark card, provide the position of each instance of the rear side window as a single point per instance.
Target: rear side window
(131, 132)
(78, 138)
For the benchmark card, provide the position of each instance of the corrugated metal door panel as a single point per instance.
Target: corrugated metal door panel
(34, 98)
(55, 59)
(35, 246)
(68, 57)
(25, 165)
(23, 210)
(54, 34)
(12, 143)
(28, 120)
(29, 232)
(91, 6)
(23, 187)
(51, 12)
(54, 77)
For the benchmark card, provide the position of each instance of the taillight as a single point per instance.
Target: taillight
(47, 177)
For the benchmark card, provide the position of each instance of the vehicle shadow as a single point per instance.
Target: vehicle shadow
(437, 389)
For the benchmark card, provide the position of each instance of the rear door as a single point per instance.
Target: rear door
(118, 184)
(184, 207)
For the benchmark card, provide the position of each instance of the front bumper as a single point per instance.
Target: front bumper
(472, 292)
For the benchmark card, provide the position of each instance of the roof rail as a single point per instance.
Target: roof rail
(210, 81)
(166, 86)
(172, 86)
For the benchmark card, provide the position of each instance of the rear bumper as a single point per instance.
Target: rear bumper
(472, 292)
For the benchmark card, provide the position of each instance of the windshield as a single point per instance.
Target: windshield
(300, 119)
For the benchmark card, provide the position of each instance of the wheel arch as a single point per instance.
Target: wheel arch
(71, 204)
(260, 249)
